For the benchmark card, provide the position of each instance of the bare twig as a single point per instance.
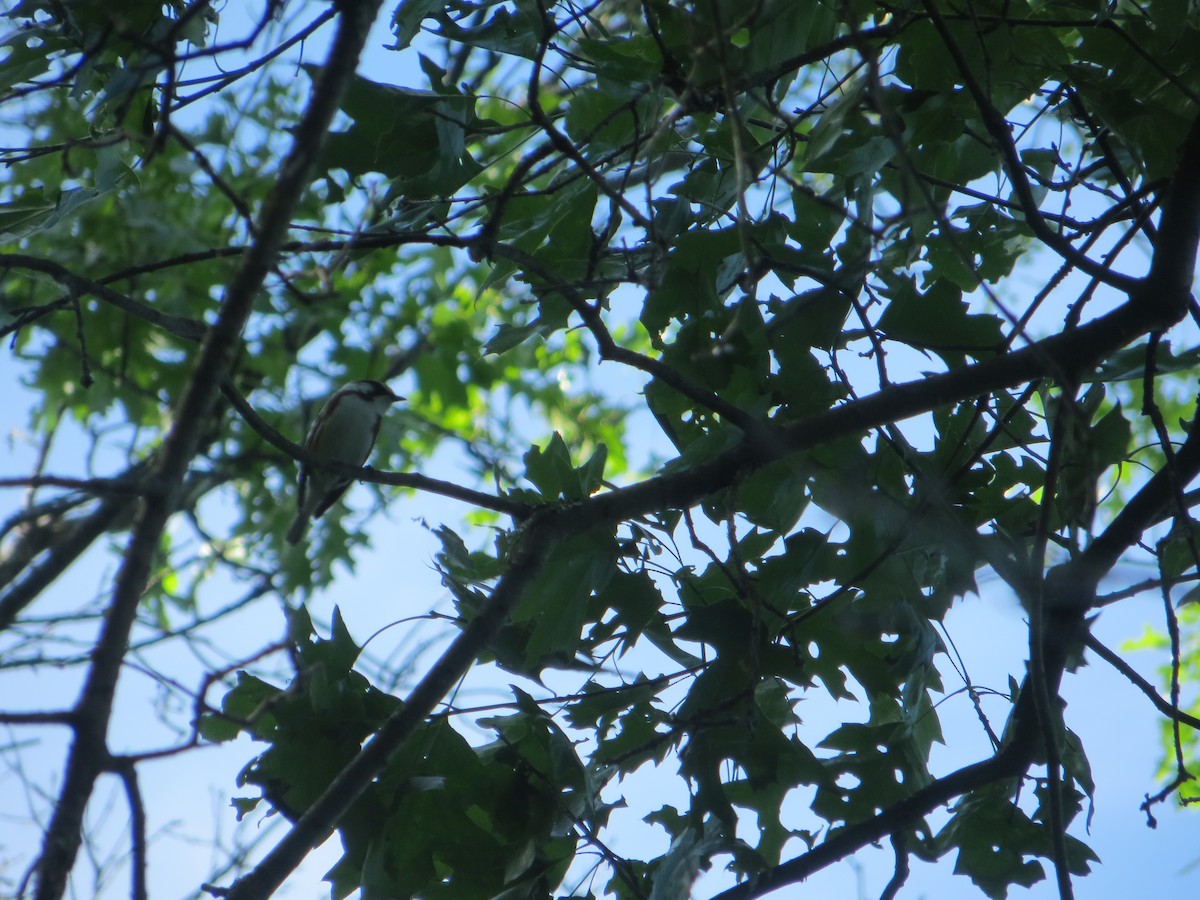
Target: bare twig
(1163, 705)
(127, 771)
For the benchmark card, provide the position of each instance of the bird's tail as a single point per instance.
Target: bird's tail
(303, 515)
(299, 526)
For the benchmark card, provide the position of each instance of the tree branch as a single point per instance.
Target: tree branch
(89, 752)
(180, 326)
(1007, 763)
(65, 550)
(127, 771)
(1160, 703)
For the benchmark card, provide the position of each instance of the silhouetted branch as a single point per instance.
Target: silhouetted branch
(1160, 703)
(188, 329)
(89, 752)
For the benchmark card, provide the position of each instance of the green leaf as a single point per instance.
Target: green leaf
(602, 121)
(1129, 363)
(994, 838)
(938, 320)
(507, 31)
(689, 854)
(32, 214)
(554, 607)
(417, 138)
(632, 59)
(775, 495)
(550, 470)
(508, 337)
(407, 18)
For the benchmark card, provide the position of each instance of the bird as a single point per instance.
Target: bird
(344, 432)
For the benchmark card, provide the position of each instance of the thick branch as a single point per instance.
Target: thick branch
(89, 752)
(1173, 267)
(1143, 510)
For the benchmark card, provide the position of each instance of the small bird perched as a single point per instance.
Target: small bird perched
(344, 432)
